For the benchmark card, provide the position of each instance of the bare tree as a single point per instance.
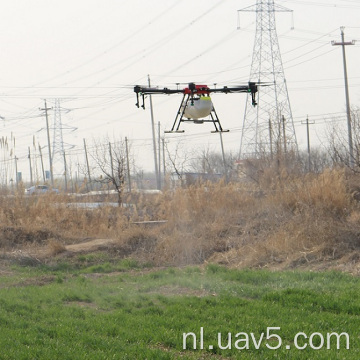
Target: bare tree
(319, 160)
(339, 144)
(110, 160)
(212, 162)
(178, 159)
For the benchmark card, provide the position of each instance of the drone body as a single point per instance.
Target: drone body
(196, 105)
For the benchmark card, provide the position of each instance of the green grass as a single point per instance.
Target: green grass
(120, 310)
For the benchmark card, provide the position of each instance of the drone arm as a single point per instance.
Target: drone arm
(227, 90)
(250, 88)
(151, 91)
(139, 90)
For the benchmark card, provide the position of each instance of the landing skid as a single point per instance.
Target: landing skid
(180, 118)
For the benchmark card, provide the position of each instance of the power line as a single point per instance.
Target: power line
(322, 4)
(122, 41)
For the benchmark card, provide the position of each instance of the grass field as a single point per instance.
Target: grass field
(121, 310)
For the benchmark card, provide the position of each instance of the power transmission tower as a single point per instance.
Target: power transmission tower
(273, 100)
(58, 150)
(58, 141)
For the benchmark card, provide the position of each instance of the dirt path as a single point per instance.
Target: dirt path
(92, 245)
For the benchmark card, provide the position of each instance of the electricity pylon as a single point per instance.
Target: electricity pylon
(270, 121)
(58, 141)
(58, 145)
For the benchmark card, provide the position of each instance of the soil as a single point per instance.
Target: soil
(90, 246)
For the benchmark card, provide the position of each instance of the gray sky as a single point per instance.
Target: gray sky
(91, 53)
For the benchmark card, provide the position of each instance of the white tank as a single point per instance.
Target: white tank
(199, 108)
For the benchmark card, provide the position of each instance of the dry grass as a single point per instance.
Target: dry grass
(301, 221)
(290, 221)
(55, 247)
(285, 221)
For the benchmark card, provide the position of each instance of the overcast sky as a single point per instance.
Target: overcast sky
(90, 54)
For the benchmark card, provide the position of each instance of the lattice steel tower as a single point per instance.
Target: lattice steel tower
(269, 126)
(58, 140)
(58, 145)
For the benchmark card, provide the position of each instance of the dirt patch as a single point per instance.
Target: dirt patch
(137, 243)
(179, 290)
(39, 281)
(349, 263)
(92, 245)
(5, 271)
(181, 354)
(82, 304)
(20, 257)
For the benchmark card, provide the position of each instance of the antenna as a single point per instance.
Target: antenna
(273, 101)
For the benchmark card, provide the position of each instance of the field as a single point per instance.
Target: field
(274, 263)
(127, 311)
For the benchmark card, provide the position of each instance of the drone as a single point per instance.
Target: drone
(196, 104)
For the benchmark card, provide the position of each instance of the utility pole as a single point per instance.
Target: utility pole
(223, 157)
(159, 153)
(48, 140)
(65, 171)
(163, 151)
(77, 175)
(308, 140)
(87, 163)
(284, 134)
(31, 173)
(42, 163)
(17, 174)
(348, 112)
(271, 139)
(111, 161)
(154, 139)
(128, 163)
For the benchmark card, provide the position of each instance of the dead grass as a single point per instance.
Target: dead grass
(55, 247)
(288, 221)
(285, 221)
(301, 221)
